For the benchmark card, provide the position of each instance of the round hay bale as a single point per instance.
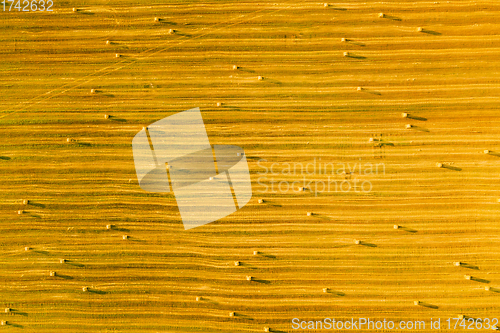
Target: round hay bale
(109, 226)
(20, 212)
(69, 140)
(198, 298)
(486, 151)
(171, 31)
(343, 40)
(249, 278)
(219, 104)
(461, 316)
(157, 19)
(404, 115)
(236, 263)
(309, 213)
(231, 314)
(62, 261)
(267, 329)
(125, 237)
(408, 126)
(211, 178)
(420, 29)
(487, 288)
(106, 116)
(359, 89)
(235, 67)
(75, 10)
(4, 323)
(325, 5)
(325, 290)
(108, 42)
(27, 248)
(457, 263)
(371, 139)
(396, 226)
(381, 15)
(439, 165)
(117, 55)
(26, 202)
(52, 273)
(346, 54)
(85, 289)
(357, 242)
(261, 200)
(256, 253)
(416, 302)
(467, 277)
(7, 310)
(260, 78)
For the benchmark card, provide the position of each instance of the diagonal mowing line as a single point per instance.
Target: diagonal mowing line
(143, 55)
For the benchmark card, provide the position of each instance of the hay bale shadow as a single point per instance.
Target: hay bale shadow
(492, 153)
(339, 8)
(354, 56)
(416, 118)
(421, 129)
(41, 252)
(247, 265)
(373, 92)
(117, 119)
(84, 144)
(120, 229)
(323, 217)
(65, 277)
(17, 312)
(390, 144)
(269, 256)
(408, 229)
(469, 266)
(451, 167)
(495, 290)
(5, 158)
(355, 43)
(261, 281)
(39, 205)
(479, 279)
(335, 293)
(391, 17)
(16, 325)
(73, 263)
(243, 316)
(367, 244)
(96, 291)
(246, 70)
(431, 32)
(428, 305)
(85, 12)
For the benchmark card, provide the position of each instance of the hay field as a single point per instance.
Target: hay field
(307, 107)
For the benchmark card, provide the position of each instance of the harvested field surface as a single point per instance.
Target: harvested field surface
(315, 87)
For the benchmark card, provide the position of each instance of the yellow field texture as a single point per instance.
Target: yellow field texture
(333, 77)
